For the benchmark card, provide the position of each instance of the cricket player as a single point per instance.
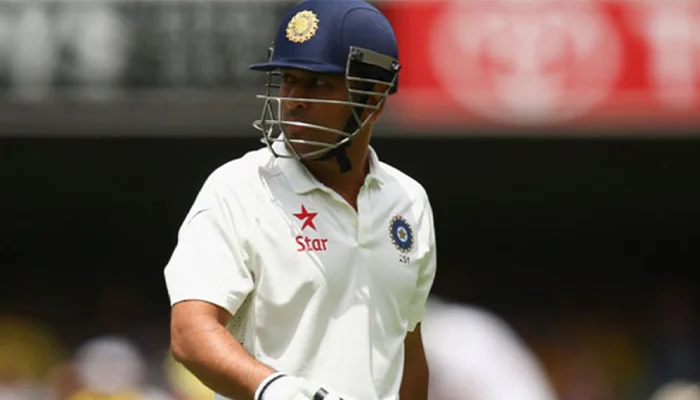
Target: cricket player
(302, 269)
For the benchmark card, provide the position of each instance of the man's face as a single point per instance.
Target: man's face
(308, 85)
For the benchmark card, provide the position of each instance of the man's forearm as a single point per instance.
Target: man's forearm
(416, 378)
(415, 387)
(416, 374)
(219, 361)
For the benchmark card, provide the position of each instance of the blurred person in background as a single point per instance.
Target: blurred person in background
(95, 39)
(121, 308)
(28, 352)
(30, 57)
(677, 391)
(112, 368)
(475, 355)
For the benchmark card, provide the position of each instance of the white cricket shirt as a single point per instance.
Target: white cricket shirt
(317, 289)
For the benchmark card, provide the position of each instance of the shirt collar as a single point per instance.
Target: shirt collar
(303, 181)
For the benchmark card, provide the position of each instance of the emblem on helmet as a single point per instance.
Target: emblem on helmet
(302, 27)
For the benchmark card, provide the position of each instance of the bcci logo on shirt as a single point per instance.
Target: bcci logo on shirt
(304, 242)
(401, 234)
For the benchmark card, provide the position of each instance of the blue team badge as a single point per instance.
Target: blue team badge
(401, 234)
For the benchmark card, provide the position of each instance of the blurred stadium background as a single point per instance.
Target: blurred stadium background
(557, 140)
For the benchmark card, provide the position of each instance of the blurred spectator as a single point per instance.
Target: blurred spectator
(32, 53)
(95, 36)
(677, 391)
(475, 355)
(28, 351)
(122, 309)
(112, 368)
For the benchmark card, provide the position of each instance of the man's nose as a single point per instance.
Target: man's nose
(297, 92)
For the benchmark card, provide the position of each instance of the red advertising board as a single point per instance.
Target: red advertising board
(548, 63)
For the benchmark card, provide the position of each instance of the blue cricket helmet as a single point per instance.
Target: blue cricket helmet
(350, 37)
(320, 35)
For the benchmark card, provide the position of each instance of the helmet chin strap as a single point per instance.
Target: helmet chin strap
(341, 157)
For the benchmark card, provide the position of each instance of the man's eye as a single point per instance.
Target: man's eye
(320, 82)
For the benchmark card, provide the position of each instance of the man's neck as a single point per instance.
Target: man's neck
(346, 184)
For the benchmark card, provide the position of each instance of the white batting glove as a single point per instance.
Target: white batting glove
(323, 394)
(280, 386)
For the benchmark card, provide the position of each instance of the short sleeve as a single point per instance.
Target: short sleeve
(426, 273)
(209, 262)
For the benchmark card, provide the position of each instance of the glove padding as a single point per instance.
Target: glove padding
(280, 386)
(323, 394)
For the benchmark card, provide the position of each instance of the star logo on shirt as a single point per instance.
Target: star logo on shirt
(307, 217)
